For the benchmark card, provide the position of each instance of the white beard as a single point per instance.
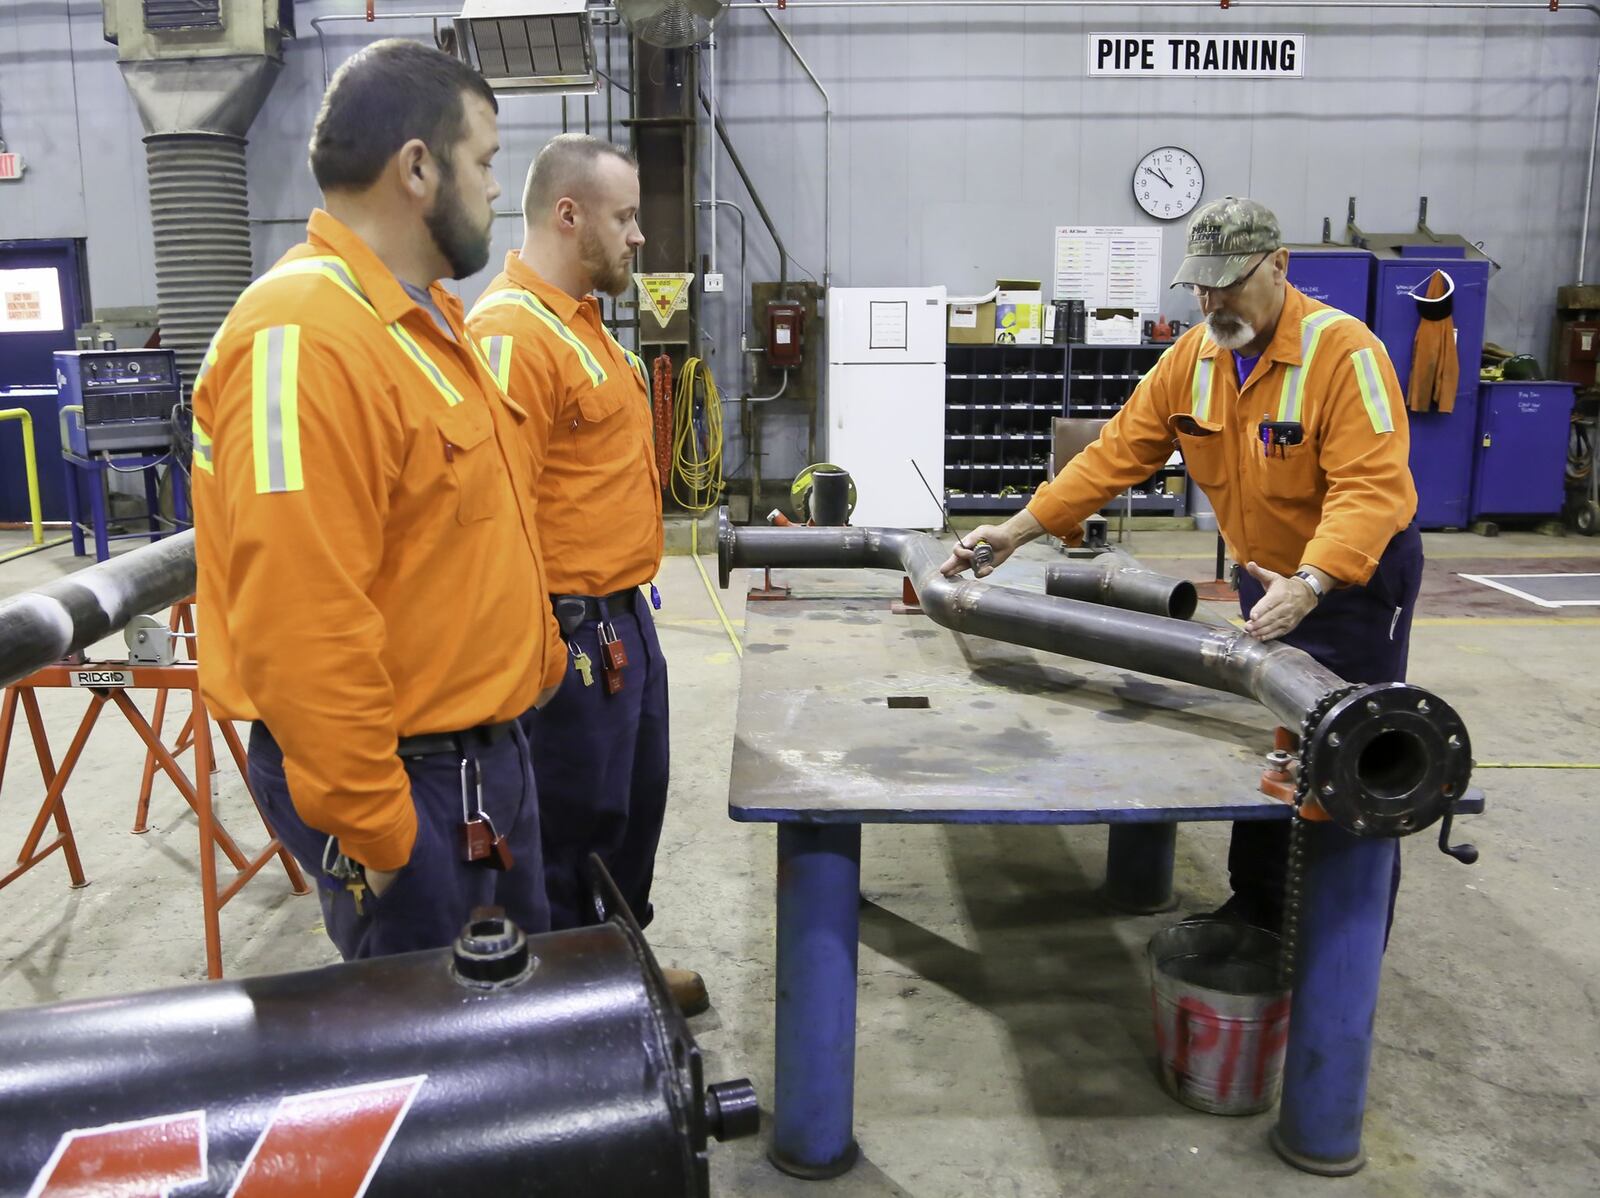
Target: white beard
(1241, 333)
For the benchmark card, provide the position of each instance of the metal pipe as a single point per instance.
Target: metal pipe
(1382, 759)
(755, 196)
(827, 147)
(711, 143)
(38, 628)
(1116, 580)
(1588, 181)
(1542, 6)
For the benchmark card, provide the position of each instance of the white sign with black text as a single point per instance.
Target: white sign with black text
(1199, 55)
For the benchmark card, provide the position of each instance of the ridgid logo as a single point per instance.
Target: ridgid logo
(326, 1144)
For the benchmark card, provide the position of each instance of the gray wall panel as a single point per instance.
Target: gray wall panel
(961, 137)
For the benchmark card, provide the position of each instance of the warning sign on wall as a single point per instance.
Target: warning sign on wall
(665, 294)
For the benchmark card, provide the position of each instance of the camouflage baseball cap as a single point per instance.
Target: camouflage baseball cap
(1223, 237)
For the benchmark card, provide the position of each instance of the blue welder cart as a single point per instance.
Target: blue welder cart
(116, 410)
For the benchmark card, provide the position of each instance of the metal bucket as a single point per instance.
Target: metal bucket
(1221, 1019)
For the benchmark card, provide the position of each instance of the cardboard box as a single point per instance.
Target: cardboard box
(1018, 311)
(970, 322)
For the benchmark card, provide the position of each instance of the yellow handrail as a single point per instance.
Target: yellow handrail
(34, 511)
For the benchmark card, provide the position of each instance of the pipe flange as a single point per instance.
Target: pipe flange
(724, 547)
(1387, 759)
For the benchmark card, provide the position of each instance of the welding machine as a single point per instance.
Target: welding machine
(117, 400)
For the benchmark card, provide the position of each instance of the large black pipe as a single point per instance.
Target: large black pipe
(39, 628)
(1114, 579)
(1382, 759)
(549, 1066)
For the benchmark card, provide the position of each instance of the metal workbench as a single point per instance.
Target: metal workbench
(850, 713)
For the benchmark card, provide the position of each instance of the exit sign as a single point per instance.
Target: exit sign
(11, 166)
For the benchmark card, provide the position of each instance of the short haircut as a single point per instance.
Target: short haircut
(382, 97)
(565, 167)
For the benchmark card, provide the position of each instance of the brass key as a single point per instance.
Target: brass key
(357, 887)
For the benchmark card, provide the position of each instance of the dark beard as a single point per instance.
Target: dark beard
(465, 247)
(606, 275)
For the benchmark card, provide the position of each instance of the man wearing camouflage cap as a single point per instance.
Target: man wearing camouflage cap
(1290, 417)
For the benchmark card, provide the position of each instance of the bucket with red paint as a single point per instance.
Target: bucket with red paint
(1221, 1018)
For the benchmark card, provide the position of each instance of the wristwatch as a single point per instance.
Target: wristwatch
(1310, 579)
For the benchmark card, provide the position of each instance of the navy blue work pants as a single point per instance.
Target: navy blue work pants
(601, 761)
(432, 897)
(1362, 634)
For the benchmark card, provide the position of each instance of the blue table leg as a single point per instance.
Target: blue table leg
(819, 886)
(1343, 927)
(1139, 867)
(74, 508)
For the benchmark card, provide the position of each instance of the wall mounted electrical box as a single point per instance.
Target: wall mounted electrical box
(785, 329)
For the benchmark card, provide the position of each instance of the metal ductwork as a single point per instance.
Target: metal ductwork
(198, 74)
(1383, 759)
(529, 47)
(544, 1066)
(39, 628)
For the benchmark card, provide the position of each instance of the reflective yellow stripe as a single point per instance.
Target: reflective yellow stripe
(634, 359)
(532, 303)
(1374, 395)
(275, 410)
(1291, 398)
(497, 352)
(202, 446)
(1200, 398)
(425, 364)
(338, 271)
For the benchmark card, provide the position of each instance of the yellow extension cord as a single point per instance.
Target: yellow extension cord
(701, 473)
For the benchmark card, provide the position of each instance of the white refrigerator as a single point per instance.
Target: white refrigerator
(885, 405)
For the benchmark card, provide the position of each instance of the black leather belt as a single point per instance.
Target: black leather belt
(427, 744)
(574, 611)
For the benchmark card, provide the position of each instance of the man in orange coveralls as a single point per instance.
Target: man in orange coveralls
(601, 746)
(370, 587)
(1290, 417)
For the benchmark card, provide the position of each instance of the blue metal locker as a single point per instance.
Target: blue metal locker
(1442, 443)
(1522, 449)
(1337, 275)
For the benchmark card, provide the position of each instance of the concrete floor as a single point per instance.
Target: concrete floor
(1005, 1047)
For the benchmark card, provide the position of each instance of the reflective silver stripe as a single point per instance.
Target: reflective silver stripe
(275, 411)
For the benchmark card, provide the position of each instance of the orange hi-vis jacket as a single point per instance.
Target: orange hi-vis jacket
(1333, 501)
(598, 490)
(367, 563)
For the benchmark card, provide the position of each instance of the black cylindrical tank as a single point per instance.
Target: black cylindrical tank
(555, 1065)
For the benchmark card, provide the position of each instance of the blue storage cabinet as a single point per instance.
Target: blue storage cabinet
(1522, 449)
(1442, 443)
(1337, 275)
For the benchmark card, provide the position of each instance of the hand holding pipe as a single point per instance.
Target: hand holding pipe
(1385, 759)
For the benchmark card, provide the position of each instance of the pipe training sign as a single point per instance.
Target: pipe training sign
(1203, 55)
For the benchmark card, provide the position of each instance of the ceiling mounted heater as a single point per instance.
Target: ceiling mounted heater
(671, 23)
(528, 47)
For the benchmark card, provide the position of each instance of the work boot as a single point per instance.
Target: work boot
(688, 990)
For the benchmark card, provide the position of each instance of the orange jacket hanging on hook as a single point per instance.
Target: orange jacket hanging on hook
(1435, 370)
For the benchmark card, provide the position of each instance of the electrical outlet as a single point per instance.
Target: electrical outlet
(713, 284)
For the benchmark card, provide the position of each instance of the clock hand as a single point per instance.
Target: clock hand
(1163, 178)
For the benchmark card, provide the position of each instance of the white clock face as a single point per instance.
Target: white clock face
(1167, 183)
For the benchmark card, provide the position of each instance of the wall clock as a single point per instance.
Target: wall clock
(1167, 183)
